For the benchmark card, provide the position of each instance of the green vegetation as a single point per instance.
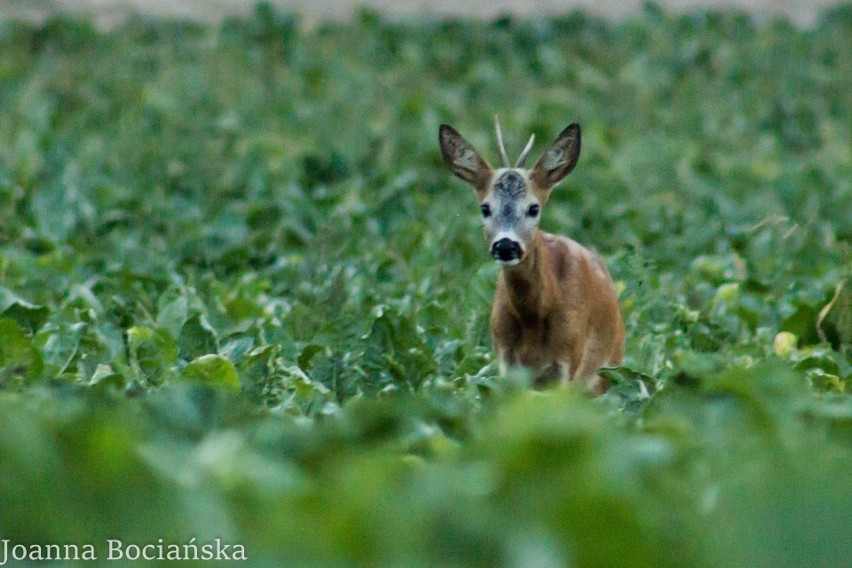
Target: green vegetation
(241, 297)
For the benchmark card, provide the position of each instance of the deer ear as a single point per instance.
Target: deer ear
(558, 160)
(460, 156)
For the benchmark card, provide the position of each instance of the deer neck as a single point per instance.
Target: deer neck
(527, 286)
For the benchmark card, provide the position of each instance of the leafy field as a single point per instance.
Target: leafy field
(242, 298)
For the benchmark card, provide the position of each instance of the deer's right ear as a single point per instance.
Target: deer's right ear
(558, 160)
(460, 156)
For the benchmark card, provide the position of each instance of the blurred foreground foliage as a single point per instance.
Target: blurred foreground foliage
(240, 296)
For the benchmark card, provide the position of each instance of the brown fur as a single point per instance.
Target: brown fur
(555, 311)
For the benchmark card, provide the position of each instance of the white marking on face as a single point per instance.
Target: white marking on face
(508, 204)
(511, 235)
(513, 262)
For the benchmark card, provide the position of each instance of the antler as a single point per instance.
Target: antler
(504, 161)
(525, 153)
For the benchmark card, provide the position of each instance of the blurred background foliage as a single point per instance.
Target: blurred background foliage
(241, 297)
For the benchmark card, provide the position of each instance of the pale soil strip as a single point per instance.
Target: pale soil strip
(110, 12)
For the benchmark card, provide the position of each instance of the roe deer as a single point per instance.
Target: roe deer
(555, 309)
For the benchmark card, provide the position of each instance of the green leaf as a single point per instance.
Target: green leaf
(397, 348)
(18, 357)
(173, 315)
(212, 370)
(60, 345)
(152, 351)
(28, 315)
(308, 354)
(197, 338)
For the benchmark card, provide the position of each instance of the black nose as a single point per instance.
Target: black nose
(505, 250)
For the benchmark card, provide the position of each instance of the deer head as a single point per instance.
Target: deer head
(511, 197)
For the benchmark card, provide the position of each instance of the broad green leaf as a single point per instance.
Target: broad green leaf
(197, 337)
(28, 315)
(19, 359)
(174, 314)
(308, 354)
(212, 370)
(152, 351)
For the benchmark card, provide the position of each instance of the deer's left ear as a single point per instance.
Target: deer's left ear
(558, 160)
(461, 157)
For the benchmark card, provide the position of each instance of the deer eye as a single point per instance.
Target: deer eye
(533, 210)
(486, 210)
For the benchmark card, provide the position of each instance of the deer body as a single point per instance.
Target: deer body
(555, 309)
